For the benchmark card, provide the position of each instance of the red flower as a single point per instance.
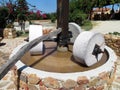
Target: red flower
(10, 8)
(44, 16)
(31, 12)
(38, 13)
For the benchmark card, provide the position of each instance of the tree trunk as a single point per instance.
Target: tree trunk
(62, 21)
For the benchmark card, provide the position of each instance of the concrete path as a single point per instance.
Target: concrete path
(106, 26)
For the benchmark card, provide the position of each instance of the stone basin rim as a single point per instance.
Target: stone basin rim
(108, 66)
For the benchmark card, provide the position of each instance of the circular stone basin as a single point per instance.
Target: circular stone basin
(56, 61)
(61, 65)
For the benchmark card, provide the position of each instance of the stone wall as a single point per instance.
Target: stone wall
(113, 41)
(25, 81)
(9, 33)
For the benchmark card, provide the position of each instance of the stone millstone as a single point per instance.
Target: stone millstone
(75, 29)
(34, 32)
(85, 45)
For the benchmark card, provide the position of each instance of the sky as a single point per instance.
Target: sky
(47, 6)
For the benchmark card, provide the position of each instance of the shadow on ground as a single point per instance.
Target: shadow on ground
(2, 44)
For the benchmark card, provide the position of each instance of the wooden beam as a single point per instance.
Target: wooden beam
(11, 62)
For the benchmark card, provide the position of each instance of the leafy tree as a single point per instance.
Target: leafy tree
(3, 16)
(11, 12)
(77, 13)
(22, 11)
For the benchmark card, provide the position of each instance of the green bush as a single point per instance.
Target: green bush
(78, 17)
(22, 34)
(87, 25)
(10, 25)
(53, 19)
(19, 33)
(114, 33)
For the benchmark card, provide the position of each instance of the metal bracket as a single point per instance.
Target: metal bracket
(97, 51)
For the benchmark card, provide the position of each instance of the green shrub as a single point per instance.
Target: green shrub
(53, 19)
(114, 33)
(87, 25)
(19, 33)
(78, 17)
(10, 25)
(22, 34)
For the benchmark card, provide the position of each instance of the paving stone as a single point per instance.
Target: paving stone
(101, 87)
(4, 84)
(69, 84)
(92, 88)
(33, 79)
(82, 80)
(80, 87)
(11, 86)
(43, 88)
(32, 87)
(51, 82)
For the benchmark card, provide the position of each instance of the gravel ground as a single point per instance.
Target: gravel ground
(7, 46)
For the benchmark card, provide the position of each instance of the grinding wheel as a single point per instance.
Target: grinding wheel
(35, 31)
(75, 29)
(88, 48)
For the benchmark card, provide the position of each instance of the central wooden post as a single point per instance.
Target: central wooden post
(62, 22)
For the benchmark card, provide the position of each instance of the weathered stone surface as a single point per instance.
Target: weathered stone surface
(15, 71)
(4, 83)
(32, 87)
(12, 86)
(46, 30)
(100, 87)
(23, 85)
(3, 58)
(6, 77)
(93, 82)
(9, 33)
(117, 79)
(118, 62)
(69, 84)
(33, 79)
(103, 75)
(51, 82)
(41, 83)
(82, 80)
(113, 41)
(92, 88)
(43, 88)
(118, 42)
(23, 77)
(80, 87)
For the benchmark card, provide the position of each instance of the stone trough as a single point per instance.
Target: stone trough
(57, 70)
